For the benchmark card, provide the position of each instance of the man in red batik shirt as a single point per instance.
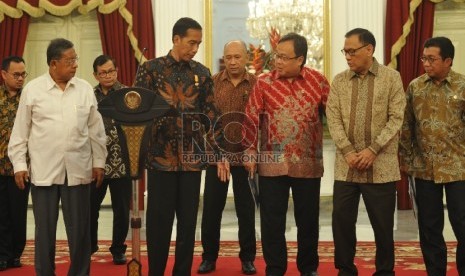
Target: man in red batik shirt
(287, 105)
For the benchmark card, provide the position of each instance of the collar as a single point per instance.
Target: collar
(171, 61)
(5, 91)
(51, 83)
(448, 78)
(115, 86)
(225, 76)
(301, 75)
(374, 69)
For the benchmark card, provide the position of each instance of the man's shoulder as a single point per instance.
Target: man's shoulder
(387, 71)
(218, 76)
(40, 80)
(419, 80)
(83, 83)
(342, 76)
(312, 72)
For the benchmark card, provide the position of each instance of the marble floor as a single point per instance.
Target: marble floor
(405, 224)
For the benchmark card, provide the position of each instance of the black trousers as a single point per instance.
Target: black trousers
(170, 194)
(380, 202)
(13, 218)
(274, 197)
(431, 223)
(214, 200)
(120, 190)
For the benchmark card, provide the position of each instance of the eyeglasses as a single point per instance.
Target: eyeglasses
(284, 58)
(430, 59)
(70, 61)
(17, 75)
(351, 52)
(110, 73)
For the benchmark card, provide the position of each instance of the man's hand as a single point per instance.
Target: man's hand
(351, 159)
(365, 159)
(97, 176)
(251, 166)
(21, 178)
(223, 171)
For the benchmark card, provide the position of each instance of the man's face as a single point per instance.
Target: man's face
(287, 64)
(186, 47)
(235, 58)
(435, 66)
(358, 55)
(15, 75)
(65, 67)
(106, 74)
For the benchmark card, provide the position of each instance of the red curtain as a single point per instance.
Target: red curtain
(13, 33)
(408, 60)
(115, 41)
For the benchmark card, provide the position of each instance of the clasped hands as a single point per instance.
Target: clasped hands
(361, 160)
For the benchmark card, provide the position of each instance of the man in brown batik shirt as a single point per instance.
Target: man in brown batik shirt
(232, 87)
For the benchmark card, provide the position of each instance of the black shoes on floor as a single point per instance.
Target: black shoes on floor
(206, 266)
(119, 259)
(13, 263)
(248, 268)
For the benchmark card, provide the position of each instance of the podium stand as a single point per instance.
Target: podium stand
(133, 110)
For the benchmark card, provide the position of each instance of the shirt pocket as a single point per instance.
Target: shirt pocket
(82, 118)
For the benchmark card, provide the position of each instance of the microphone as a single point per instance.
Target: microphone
(138, 66)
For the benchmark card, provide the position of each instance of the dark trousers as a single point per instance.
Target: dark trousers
(214, 200)
(120, 190)
(170, 194)
(274, 197)
(380, 202)
(75, 205)
(13, 218)
(431, 223)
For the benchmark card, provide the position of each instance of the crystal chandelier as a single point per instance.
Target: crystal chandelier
(304, 17)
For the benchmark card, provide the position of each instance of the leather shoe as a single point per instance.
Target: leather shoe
(248, 268)
(14, 263)
(206, 267)
(3, 265)
(312, 273)
(119, 259)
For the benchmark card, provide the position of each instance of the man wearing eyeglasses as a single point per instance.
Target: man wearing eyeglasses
(13, 201)
(365, 112)
(116, 170)
(432, 152)
(60, 130)
(288, 105)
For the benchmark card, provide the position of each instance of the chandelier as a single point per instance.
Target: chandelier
(304, 17)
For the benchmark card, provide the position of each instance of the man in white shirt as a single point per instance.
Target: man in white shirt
(59, 131)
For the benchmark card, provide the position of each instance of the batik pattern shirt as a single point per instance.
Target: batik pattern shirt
(289, 115)
(433, 133)
(367, 112)
(230, 101)
(8, 108)
(178, 139)
(115, 166)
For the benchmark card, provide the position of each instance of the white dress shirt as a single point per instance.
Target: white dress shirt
(61, 131)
